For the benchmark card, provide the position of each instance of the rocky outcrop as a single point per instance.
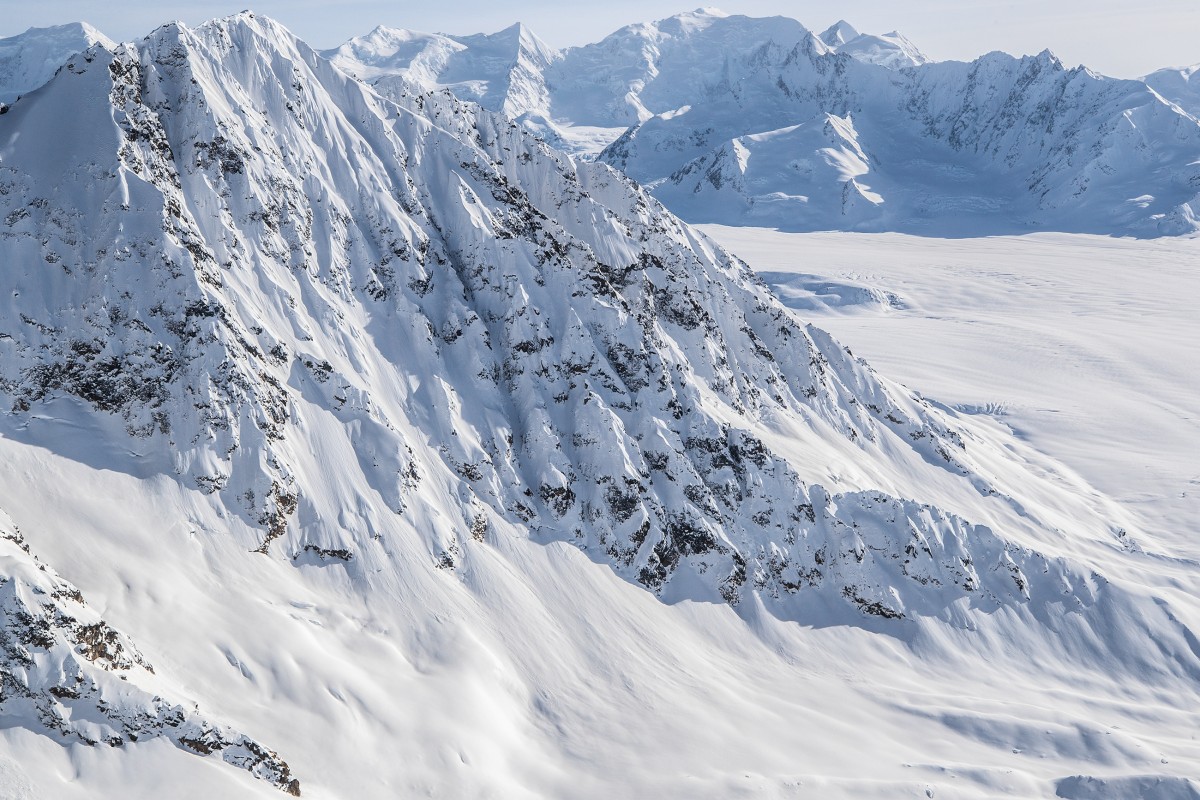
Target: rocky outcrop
(67, 672)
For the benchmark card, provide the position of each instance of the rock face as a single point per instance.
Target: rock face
(65, 671)
(343, 319)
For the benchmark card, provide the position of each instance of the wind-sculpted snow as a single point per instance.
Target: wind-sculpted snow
(65, 671)
(355, 323)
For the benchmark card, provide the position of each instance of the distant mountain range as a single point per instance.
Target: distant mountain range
(749, 121)
(758, 121)
(583, 98)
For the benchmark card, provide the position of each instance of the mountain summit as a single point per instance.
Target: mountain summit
(29, 59)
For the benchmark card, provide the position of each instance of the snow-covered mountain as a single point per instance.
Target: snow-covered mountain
(582, 98)
(502, 72)
(743, 120)
(380, 416)
(29, 59)
(1180, 86)
(808, 140)
(891, 50)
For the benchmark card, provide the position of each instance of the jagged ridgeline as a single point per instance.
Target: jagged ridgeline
(350, 320)
(249, 257)
(242, 238)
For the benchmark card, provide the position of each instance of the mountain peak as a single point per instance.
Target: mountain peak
(29, 59)
(686, 23)
(518, 38)
(838, 34)
(889, 50)
(1179, 85)
(247, 19)
(1048, 58)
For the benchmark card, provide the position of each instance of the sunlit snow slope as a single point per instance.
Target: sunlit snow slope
(381, 429)
(804, 139)
(1180, 86)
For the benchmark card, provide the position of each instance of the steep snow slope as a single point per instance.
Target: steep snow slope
(67, 672)
(1000, 144)
(427, 426)
(29, 59)
(1180, 86)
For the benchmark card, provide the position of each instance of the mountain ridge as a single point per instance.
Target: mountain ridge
(29, 59)
(599, 89)
(670, 101)
(650, 100)
(369, 358)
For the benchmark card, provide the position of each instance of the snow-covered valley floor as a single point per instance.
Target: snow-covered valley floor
(1088, 347)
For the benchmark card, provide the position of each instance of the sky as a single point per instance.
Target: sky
(1113, 37)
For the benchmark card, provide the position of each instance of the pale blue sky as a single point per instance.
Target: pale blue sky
(1119, 38)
